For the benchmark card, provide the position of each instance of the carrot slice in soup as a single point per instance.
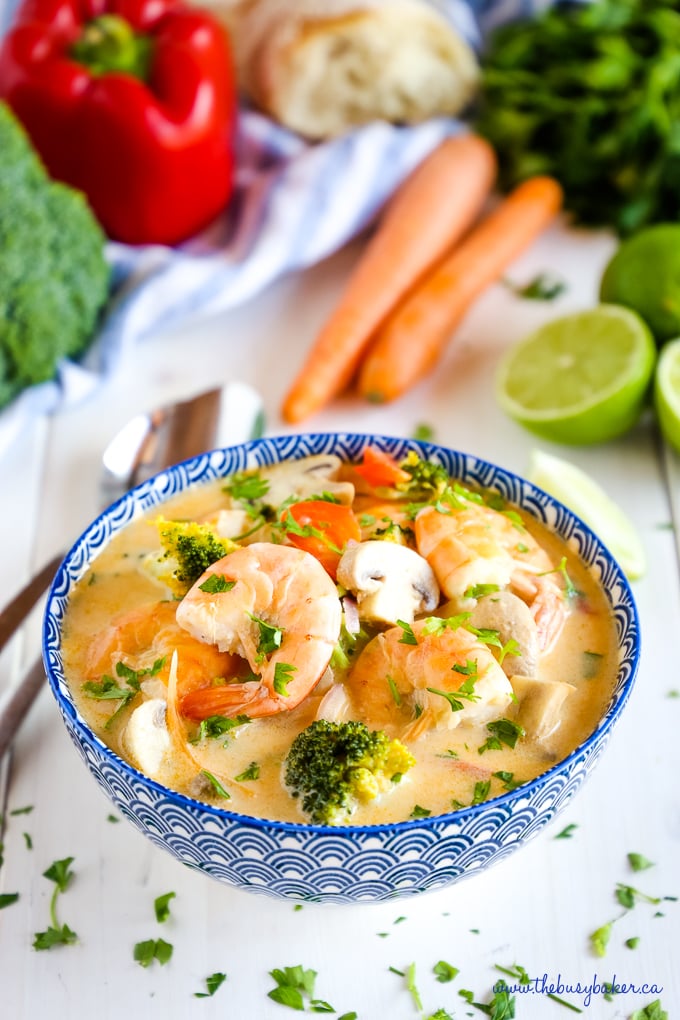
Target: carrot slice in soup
(322, 529)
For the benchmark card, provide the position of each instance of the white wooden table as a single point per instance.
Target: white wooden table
(536, 909)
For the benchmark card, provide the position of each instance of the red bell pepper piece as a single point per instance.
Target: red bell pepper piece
(131, 101)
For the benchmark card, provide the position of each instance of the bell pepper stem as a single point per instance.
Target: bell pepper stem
(108, 45)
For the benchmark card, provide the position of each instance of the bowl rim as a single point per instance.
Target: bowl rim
(59, 684)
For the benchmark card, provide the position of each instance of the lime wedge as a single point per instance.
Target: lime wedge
(582, 494)
(581, 378)
(667, 392)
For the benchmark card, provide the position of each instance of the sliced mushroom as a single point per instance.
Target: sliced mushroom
(146, 737)
(391, 582)
(232, 523)
(512, 618)
(539, 705)
(306, 477)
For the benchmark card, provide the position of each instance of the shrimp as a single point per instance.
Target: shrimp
(275, 606)
(398, 684)
(148, 635)
(476, 545)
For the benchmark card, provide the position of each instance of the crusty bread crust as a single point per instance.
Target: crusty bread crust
(322, 67)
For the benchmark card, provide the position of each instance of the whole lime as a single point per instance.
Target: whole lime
(644, 274)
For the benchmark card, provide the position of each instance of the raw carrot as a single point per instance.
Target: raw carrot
(413, 338)
(436, 204)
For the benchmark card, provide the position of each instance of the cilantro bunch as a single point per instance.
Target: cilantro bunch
(590, 94)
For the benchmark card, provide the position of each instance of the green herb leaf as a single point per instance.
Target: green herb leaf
(543, 287)
(212, 983)
(270, 637)
(420, 812)
(215, 584)
(567, 832)
(247, 487)
(503, 731)
(60, 873)
(283, 674)
(7, 899)
(638, 862)
(599, 939)
(653, 1011)
(411, 985)
(252, 772)
(445, 971)
(408, 637)
(54, 936)
(161, 906)
(216, 784)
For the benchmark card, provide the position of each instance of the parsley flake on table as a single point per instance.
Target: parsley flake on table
(294, 985)
(161, 906)
(567, 832)
(7, 899)
(60, 873)
(638, 862)
(444, 971)
(145, 952)
(212, 983)
(599, 939)
(543, 287)
(653, 1011)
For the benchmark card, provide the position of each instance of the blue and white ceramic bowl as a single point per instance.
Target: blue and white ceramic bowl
(350, 863)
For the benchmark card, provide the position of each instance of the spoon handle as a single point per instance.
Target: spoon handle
(17, 703)
(16, 611)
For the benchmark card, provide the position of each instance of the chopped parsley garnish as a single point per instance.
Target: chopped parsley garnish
(567, 832)
(60, 873)
(212, 983)
(7, 899)
(270, 637)
(444, 971)
(632, 943)
(507, 779)
(217, 725)
(639, 863)
(283, 674)
(21, 811)
(216, 784)
(423, 433)
(478, 591)
(420, 812)
(653, 1011)
(543, 287)
(394, 690)
(412, 987)
(408, 637)
(252, 772)
(294, 985)
(599, 939)
(466, 692)
(628, 896)
(503, 731)
(144, 953)
(107, 689)
(161, 906)
(290, 526)
(481, 791)
(215, 584)
(247, 487)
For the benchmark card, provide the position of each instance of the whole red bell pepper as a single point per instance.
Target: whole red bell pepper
(131, 101)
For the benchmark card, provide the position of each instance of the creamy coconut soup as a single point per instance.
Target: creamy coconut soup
(244, 641)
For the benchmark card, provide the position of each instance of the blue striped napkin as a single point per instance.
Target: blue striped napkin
(294, 204)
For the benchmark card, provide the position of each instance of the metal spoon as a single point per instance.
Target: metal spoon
(147, 444)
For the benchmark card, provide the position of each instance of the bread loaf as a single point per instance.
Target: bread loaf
(322, 67)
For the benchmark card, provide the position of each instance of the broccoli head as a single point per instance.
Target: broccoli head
(188, 549)
(54, 279)
(334, 766)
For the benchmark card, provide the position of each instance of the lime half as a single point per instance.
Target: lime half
(581, 378)
(667, 392)
(582, 494)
